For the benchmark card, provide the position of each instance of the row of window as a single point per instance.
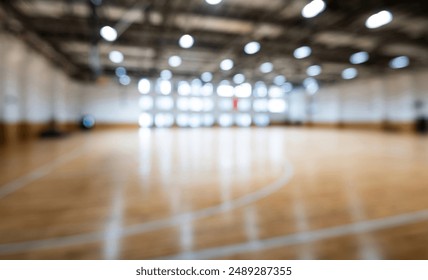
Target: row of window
(195, 104)
(166, 120)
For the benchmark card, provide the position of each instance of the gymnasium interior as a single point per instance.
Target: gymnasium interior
(213, 129)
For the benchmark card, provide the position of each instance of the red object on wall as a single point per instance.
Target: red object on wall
(235, 104)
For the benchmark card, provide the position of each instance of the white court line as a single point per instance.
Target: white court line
(113, 230)
(36, 174)
(306, 237)
(155, 225)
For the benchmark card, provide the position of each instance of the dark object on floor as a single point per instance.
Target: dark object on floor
(87, 122)
(421, 125)
(52, 131)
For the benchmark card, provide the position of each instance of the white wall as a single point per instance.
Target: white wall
(374, 100)
(31, 89)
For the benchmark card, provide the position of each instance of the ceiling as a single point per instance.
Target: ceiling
(67, 32)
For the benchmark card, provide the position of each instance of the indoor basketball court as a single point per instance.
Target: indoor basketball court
(213, 129)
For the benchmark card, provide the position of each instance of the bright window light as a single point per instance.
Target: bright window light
(311, 85)
(164, 103)
(183, 104)
(279, 80)
(238, 79)
(260, 105)
(243, 91)
(314, 70)
(164, 120)
(277, 106)
(379, 19)
(266, 67)
(275, 92)
(399, 62)
(302, 52)
(207, 90)
(145, 120)
(287, 87)
(116, 57)
(196, 87)
(125, 80)
(174, 61)
(225, 89)
(260, 89)
(165, 87)
(261, 120)
(313, 9)
(225, 120)
(243, 120)
(184, 88)
(208, 104)
(195, 121)
(252, 48)
(226, 65)
(183, 120)
(208, 120)
(166, 75)
(146, 103)
(108, 33)
(186, 41)
(359, 58)
(225, 104)
(207, 77)
(196, 104)
(349, 73)
(244, 105)
(144, 86)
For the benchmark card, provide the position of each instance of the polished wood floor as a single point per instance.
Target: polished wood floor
(259, 193)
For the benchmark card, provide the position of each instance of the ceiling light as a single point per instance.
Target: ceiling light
(238, 79)
(144, 86)
(108, 33)
(349, 73)
(380, 19)
(175, 61)
(125, 80)
(116, 57)
(207, 77)
(313, 70)
(399, 62)
(302, 52)
(252, 48)
(279, 80)
(359, 58)
(166, 75)
(120, 71)
(313, 9)
(186, 41)
(266, 67)
(226, 65)
(213, 2)
(311, 85)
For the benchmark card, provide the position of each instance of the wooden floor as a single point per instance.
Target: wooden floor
(260, 193)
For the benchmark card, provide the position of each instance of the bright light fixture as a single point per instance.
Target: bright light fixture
(174, 61)
(279, 80)
(266, 67)
(302, 52)
(252, 48)
(116, 57)
(166, 75)
(213, 2)
(314, 70)
(144, 86)
(311, 85)
(124, 80)
(359, 58)
(399, 62)
(379, 19)
(226, 65)
(207, 77)
(349, 73)
(108, 33)
(186, 41)
(238, 79)
(313, 9)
